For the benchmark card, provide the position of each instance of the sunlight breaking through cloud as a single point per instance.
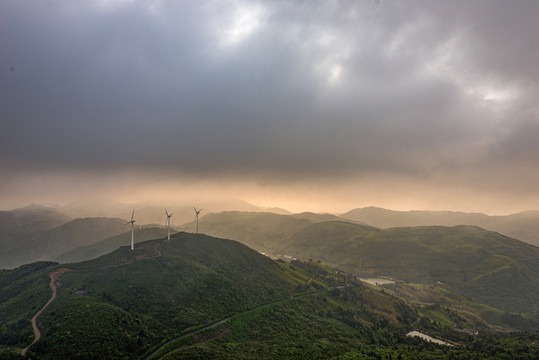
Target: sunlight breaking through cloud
(244, 20)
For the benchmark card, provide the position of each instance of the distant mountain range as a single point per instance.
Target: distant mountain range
(151, 213)
(262, 231)
(30, 218)
(38, 233)
(523, 226)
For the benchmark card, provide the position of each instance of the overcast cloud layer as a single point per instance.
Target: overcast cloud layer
(387, 103)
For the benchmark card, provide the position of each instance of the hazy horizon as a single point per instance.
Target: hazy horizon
(92, 206)
(318, 106)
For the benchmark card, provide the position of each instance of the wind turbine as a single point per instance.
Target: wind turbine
(168, 221)
(196, 216)
(132, 222)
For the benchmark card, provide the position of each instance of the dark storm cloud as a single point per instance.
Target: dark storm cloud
(283, 89)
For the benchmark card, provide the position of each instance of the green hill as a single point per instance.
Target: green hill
(481, 265)
(461, 264)
(126, 302)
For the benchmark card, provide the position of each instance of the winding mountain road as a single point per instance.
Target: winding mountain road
(52, 283)
(215, 324)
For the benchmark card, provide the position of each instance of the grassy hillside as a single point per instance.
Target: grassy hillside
(523, 226)
(461, 264)
(45, 244)
(125, 302)
(110, 244)
(481, 265)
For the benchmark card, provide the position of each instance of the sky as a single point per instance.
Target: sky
(306, 105)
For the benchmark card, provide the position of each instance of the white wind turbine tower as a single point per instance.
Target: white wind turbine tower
(196, 216)
(132, 222)
(168, 221)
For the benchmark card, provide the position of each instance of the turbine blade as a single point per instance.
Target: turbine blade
(166, 212)
(132, 214)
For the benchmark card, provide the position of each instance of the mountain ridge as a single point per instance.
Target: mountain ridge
(522, 225)
(29, 242)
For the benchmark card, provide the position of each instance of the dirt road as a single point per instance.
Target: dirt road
(37, 333)
(53, 277)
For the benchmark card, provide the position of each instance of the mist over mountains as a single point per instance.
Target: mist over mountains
(153, 212)
(42, 233)
(523, 225)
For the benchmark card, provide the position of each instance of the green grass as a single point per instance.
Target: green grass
(441, 316)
